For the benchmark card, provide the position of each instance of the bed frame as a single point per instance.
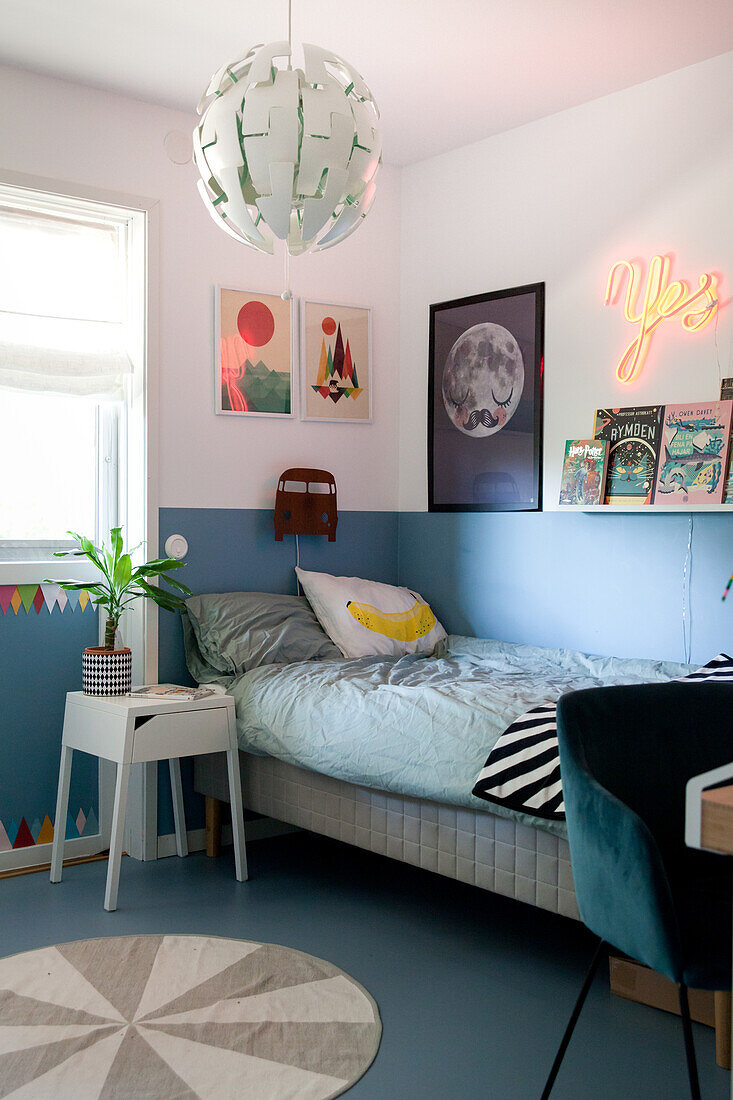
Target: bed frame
(474, 846)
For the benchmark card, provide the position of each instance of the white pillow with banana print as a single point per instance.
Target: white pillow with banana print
(364, 618)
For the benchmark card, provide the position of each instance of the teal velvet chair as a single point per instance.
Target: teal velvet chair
(626, 754)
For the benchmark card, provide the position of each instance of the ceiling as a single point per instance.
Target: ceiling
(444, 72)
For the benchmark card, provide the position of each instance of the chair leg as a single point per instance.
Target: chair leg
(689, 1044)
(573, 1020)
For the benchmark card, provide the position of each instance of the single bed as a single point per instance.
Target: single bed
(383, 752)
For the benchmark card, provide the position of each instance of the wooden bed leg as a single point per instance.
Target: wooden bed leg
(213, 826)
(722, 1028)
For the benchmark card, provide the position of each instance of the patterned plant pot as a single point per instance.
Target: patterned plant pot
(106, 672)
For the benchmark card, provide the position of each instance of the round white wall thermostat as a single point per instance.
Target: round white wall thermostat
(178, 147)
(176, 547)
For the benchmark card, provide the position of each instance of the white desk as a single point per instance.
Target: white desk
(130, 730)
(709, 818)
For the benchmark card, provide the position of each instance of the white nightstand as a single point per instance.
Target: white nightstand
(129, 730)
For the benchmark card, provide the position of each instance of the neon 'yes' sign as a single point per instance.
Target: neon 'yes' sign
(661, 300)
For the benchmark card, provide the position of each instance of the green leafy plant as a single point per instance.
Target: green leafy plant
(121, 584)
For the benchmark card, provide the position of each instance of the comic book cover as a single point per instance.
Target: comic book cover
(633, 435)
(584, 471)
(726, 394)
(694, 453)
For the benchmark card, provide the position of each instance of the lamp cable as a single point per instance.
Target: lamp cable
(717, 349)
(686, 600)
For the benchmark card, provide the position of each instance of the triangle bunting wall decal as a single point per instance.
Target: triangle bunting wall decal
(15, 596)
(24, 837)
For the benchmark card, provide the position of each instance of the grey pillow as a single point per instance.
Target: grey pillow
(237, 631)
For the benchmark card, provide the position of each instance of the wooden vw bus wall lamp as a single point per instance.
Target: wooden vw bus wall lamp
(305, 503)
(661, 301)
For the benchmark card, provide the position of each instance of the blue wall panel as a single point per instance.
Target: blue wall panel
(40, 660)
(597, 582)
(234, 550)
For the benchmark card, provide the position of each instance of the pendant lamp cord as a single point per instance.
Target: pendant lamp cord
(290, 26)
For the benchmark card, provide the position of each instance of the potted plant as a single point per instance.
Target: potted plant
(106, 670)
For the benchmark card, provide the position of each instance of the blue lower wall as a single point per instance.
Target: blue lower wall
(603, 583)
(597, 582)
(234, 550)
(40, 660)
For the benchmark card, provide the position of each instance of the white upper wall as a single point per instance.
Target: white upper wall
(63, 131)
(640, 172)
(645, 171)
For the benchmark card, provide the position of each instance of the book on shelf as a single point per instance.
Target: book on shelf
(694, 453)
(726, 394)
(634, 436)
(172, 692)
(583, 478)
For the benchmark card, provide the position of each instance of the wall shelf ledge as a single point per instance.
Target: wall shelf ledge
(649, 509)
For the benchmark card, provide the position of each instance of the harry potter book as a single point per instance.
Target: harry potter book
(633, 437)
(584, 471)
(694, 453)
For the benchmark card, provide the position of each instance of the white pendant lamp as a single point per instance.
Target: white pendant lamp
(288, 153)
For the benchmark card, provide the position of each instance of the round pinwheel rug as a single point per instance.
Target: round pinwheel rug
(183, 1017)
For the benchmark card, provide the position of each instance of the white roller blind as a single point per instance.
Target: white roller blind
(62, 305)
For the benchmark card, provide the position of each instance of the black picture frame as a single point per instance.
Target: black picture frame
(489, 471)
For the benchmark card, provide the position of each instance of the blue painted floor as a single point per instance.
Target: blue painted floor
(474, 989)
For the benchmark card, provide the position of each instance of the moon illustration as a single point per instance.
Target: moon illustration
(483, 379)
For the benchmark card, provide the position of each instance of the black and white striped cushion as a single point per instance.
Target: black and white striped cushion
(523, 768)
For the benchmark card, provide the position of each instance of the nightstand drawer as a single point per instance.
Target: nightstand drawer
(181, 733)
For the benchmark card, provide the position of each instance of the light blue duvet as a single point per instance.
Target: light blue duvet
(416, 725)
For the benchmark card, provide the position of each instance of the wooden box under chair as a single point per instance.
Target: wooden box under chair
(635, 982)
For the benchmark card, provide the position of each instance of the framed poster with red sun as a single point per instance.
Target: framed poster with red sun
(254, 335)
(336, 367)
(485, 365)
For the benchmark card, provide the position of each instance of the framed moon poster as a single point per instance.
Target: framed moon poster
(485, 402)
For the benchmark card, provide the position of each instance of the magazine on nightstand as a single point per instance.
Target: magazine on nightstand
(172, 692)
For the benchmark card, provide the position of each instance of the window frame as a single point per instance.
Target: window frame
(137, 505)
(138, 480)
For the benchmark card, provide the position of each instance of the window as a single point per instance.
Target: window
(48, 450)
(70, 296)
(78, 412)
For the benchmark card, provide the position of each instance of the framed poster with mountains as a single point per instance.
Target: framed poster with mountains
(254, 336)
(336, 362)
